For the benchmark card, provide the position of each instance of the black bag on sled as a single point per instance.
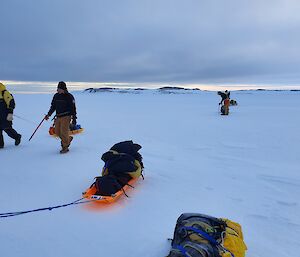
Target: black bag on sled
(107, 185)
(117, 163)
(121, 165)
(130, 148)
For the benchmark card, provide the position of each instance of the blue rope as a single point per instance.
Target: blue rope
(11, 214)
(203, 234)
(207, 237)
(181, 249)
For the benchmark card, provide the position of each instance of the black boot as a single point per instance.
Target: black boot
(18, 140)
(13, 134)
(64, 150)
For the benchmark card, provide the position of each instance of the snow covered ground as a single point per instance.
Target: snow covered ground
(244, 167)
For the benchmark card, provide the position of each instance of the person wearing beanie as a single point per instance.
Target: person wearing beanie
(224, 95)
(7, 105)
(64, 104)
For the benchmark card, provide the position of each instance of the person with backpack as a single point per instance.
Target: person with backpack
(224, 95)
(7, 105)
(225, 102)
(225, 107)
(64, 104)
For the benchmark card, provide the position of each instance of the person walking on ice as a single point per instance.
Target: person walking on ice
(64, 104)
(224, 96)
(7, 106)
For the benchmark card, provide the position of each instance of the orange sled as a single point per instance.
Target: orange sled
(72, 132)
(90, 194)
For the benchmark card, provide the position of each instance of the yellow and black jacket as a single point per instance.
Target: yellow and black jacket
(7, 105)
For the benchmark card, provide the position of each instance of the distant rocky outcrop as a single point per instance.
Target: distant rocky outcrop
(162, 90)
(114, 90)
(171, 88)
(175, 90)
(101, 89)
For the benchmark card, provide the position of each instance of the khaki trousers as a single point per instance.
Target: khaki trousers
(62, 128)
(226, 109)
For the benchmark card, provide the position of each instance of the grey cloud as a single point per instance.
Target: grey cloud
(143, 40)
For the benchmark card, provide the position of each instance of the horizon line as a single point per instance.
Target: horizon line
(50, 86)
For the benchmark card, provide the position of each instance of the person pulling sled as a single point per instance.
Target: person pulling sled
(225, 102)
(7, 106)
(224, 95)
(64, 104)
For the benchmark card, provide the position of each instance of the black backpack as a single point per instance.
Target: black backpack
(107, 185)
(130, 148)
(116, 162)
(119, 162)
(197, 235)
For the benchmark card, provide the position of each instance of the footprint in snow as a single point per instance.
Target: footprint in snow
(280, 180)
(288, 204)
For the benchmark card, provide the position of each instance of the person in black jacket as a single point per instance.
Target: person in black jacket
(7, 105)
(64, 104)
(224, 95)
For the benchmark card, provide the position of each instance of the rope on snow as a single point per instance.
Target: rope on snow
(11, 214)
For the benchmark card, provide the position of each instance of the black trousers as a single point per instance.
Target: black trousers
(10, 132)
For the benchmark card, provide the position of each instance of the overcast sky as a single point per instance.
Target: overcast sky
(189, 41)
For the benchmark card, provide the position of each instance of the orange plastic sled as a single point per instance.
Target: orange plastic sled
(90, 194)
(72, 132)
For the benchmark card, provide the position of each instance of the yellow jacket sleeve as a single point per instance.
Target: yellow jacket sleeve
(9, 100)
